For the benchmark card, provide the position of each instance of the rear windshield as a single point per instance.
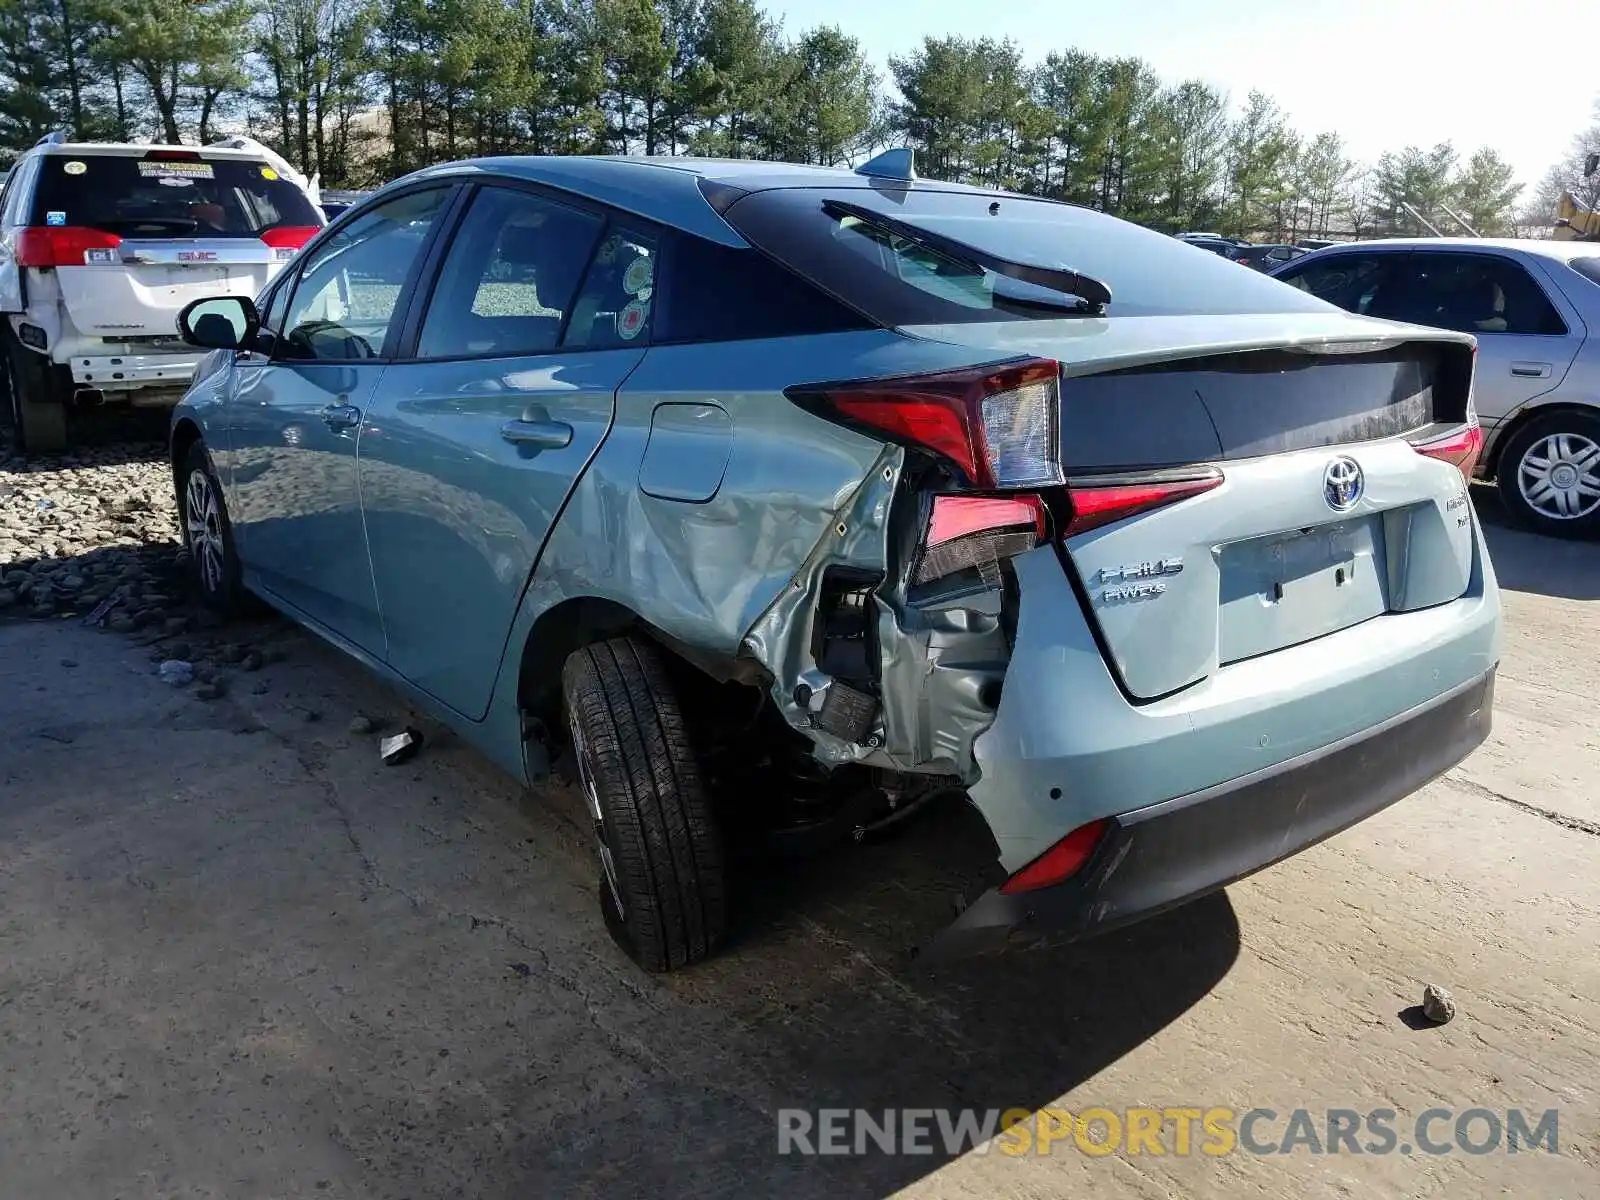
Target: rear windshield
(145, 197)
(1589, 268)
(900, 283)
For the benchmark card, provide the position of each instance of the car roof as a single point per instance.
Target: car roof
(1544, 247)
(667, 189)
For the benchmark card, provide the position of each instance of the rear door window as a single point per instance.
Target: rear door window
(897, 282)
(1475, 293)
(513, 266)
(167, 196)
(616, 304)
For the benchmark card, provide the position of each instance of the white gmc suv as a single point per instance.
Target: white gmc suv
(102, 244)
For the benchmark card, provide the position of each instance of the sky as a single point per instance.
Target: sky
(1522, 77)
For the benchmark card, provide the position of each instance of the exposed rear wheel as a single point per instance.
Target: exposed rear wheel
(663, 884)
(1549, 475)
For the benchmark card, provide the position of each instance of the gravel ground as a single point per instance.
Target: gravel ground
(240, 958)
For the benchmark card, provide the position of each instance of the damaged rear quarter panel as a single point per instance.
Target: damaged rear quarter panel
(704, 571)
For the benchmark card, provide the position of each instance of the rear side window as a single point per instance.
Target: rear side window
(898, 283)
(1589, 268)
(1475, 293)
(716, 293)
(162, 197)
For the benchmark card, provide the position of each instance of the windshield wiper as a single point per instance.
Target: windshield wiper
(1056, 279)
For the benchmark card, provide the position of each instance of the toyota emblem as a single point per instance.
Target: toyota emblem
(1342, 484)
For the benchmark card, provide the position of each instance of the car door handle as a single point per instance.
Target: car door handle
(341, 416)
(1530, 370)
(545, 435)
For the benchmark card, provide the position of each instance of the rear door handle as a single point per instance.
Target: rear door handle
(341, 416)
(543, 435)
(1531, 370)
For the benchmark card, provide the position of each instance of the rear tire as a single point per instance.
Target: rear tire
(1549, 475)
(34, 402)
(663, 885)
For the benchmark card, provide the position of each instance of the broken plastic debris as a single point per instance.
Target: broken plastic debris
(400, 746)
(1438, 1005)
(176, 672)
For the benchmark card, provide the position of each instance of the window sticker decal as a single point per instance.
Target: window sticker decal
(74, 166)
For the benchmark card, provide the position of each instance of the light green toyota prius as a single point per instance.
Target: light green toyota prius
(782, 501)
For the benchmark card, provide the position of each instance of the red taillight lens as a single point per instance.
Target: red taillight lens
(1461, 449)
(978, 531)
(289, 237)
(1097, 502)
(65, 246)
(1059, 863)
(998, 424)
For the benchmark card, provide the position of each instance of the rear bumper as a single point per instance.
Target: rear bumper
(127, 372)
(1163, 855)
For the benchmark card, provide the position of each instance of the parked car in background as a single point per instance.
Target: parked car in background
(1266, 257)
(1226, 247)
(102, 244)
(791, 497)
(335, 202)
(1534, 307)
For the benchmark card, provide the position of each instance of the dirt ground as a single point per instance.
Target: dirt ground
(240, 958)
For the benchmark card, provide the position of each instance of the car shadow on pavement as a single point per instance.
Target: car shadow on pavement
(1531, 562)
(819, 977)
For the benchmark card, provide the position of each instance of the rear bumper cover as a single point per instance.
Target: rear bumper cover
(126, 372)
(1163, 855)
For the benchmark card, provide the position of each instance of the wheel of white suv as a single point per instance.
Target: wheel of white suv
(207, 532)
(33, 404)
(663, 888)
(1549, 474)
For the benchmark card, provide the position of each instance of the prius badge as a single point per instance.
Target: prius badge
(1342, 484)
(1136, 581)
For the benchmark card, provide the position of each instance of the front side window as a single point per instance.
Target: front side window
(1358, 283)
(350, 287)
(513, 267)
(1588, 267)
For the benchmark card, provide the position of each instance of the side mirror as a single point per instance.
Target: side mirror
(220, 323)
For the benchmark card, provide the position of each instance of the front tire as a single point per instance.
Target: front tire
(208, 534)
(663, 881)
(1549, 475)
(35, 406)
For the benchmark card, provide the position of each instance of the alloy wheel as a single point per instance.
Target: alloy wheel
(1559, 476)
(203, 520)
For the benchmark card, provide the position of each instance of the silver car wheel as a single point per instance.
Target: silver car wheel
(202, 517)
(591, 797)
(1559, 476)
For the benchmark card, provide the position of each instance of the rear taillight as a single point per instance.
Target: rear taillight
(65, 246)
(998, 424)
(286, 239)
(967, 532)
(1100, 500)
(1461, 448)
(1059, 863)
